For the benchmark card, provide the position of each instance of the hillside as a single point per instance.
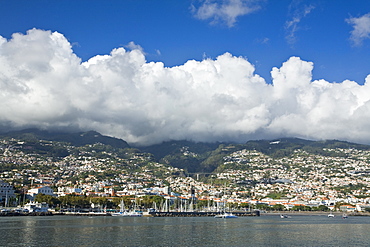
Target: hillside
(76, 139)
(193, 157)
(286, 168)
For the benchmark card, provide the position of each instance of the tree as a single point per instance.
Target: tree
(52, 201)
(278, 207)
(262, 206)
(298, 208)
(323, 208)
(149, 200)
(274, 195)
(75, 201)
(101, 201)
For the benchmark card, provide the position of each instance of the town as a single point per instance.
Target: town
(99, 177)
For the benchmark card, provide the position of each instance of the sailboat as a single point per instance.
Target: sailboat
(124, 213)
(121, 211)
(225, 215)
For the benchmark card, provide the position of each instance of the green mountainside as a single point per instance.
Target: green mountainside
(193, 157)
(76, 139)
(183, 154)
(286, 146)
(208, 157)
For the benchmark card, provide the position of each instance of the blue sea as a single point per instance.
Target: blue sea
(266, 230)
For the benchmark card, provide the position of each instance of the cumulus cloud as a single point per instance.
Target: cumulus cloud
(298, 12)
(224, 11)
(132, 46)
(361, 29)
(44, 84)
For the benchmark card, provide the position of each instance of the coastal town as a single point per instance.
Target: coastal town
(247, 179)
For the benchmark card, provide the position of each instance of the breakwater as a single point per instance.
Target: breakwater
(26, 214)
(200, 214)
(150, 214)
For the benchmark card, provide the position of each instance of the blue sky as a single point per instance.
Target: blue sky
(171, 32)
(201, 70)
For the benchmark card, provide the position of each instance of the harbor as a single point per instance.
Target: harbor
(145, 214)
(200, 214)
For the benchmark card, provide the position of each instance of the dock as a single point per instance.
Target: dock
(146, 214)
(200, 214)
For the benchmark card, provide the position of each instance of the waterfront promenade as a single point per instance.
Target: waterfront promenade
(148, 214)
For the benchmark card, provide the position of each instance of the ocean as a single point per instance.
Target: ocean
(266, 230)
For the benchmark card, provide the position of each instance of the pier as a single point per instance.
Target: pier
(26, 214)
(147, 214)
(199, 214)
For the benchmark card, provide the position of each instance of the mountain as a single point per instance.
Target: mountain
(75, 139)
(286, 146)
(183, 154)
(208, 157)
(193, 157)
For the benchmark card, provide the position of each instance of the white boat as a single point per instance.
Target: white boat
(226, 215)
(124, 213)
(134, 214)
(284, 216)
(121, 210)
(128, 214)
(331, 215)
(344, 216)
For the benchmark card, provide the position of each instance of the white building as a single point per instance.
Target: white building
(46, 190)
(62, 191)
(36, 207)
(6, 193)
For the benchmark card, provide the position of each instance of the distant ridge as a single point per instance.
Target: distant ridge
(75, 139)
(172, 147)
(285, 146)
(192, 156)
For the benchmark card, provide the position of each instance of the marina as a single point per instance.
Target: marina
(130, 214)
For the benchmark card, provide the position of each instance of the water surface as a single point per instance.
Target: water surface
(186, 231)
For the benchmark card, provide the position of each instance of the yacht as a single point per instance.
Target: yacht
(284, 216)
(226, 215)
(124, 213)
(128, 214)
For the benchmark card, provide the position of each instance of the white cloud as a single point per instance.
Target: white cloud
(44, 84)
(132, 46)
(224, 11)
(298, 13)
(361, 29)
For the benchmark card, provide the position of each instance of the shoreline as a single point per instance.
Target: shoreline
(193, 214)
(338, 214)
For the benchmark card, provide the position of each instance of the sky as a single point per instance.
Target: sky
(203, 70)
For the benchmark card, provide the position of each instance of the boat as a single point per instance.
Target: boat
(128, 214)
(226, 215)
(344, 216)
(133, 213)
(121, 210)
(124, 213)
(284, 216)
(330, 215)
(223, 214)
